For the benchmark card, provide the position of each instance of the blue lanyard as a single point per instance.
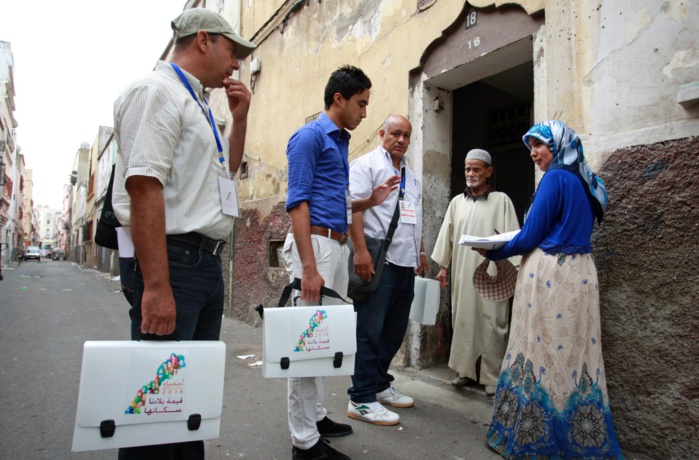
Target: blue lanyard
(401, 192)
(210, 115)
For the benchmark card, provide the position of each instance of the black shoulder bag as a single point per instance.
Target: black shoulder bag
(358, 288)
(106, 235)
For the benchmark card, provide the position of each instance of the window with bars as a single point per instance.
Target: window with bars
(506, 126)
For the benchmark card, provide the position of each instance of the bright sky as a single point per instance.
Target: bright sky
(72, 58)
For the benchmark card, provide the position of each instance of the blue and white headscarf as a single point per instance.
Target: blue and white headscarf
(567, 151)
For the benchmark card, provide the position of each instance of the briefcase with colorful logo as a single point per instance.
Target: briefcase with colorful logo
(149, 392)
(309, 341)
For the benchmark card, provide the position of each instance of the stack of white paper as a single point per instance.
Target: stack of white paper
(487, 242)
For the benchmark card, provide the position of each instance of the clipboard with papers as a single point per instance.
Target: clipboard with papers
(487, 242)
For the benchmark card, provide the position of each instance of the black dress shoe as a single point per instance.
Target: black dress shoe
(320, 451)
(329, 429)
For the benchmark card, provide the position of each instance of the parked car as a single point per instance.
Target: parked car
(32, 252)
(58, 254)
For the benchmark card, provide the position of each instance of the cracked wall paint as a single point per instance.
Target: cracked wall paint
(635, 27)
(634, 82)
(684, 59)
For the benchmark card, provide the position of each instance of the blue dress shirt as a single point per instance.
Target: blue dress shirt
(560, 220)
(319, 172)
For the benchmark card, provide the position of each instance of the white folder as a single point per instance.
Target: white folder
(149, 392)
(309, 341)
(426, 301)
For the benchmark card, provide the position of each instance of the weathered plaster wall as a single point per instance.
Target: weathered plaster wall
(645, 252)
(644, 55)
(256, 280)
(258, 13)
(530, 6)
(383, 38)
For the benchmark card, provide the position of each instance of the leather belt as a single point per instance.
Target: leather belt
(203, 243)
(328, 233)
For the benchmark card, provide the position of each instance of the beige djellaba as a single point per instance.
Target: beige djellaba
(480, 327)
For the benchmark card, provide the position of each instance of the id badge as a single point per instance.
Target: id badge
(229, 197)
(348, 205)
(407, 212)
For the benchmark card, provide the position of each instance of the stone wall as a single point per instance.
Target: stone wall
(646, 252)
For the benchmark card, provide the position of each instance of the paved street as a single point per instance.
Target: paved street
(50, 308)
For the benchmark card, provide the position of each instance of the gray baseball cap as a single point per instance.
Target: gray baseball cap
(193, 20)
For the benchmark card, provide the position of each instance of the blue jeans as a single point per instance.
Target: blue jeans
(127, 266)
(382, 319)
(197, 285)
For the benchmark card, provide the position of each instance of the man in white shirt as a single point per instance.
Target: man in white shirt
(172, 173)
(382, 317)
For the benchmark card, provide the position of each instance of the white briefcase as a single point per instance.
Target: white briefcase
(149, 392)
(309, 341)
(426, 301)
(313, 341)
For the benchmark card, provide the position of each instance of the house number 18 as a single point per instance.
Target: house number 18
(475, 43)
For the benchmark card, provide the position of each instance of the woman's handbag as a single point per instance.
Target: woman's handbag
(358, 289)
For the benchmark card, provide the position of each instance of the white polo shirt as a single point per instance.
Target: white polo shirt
(366, 173)
(163, 133)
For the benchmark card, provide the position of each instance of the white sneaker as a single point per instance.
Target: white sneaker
(373, 413)
(392, 396)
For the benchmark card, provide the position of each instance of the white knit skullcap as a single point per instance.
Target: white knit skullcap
(479, 154)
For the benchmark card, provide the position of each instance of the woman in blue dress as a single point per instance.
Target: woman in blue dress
(551, 400)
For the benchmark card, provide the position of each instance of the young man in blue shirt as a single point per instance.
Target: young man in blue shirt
(315, 251)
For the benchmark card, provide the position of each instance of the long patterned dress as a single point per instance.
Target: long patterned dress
(551, 401)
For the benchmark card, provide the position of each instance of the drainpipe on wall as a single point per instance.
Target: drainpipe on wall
(231, 250)
(231, 253)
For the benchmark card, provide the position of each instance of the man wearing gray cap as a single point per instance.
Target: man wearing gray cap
(174, 172)
(479, 326)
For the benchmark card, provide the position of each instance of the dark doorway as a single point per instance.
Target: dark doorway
(493, 114)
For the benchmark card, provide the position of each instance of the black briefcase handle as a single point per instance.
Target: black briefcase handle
(296, 284)
(174, 336)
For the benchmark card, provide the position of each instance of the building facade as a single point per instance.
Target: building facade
(11, 226)
(64, 240)
(478, 74)
(79, 181)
